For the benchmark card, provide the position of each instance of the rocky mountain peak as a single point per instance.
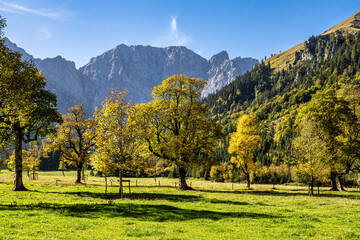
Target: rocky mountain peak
(219, 58)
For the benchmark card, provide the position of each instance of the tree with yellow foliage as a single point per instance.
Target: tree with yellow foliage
(310, 156)
(242, 143)
(73, 139)
(115, 138)
(174, 126)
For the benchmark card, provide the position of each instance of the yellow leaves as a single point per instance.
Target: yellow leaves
(31, 159)
(243, 141)
(179, 87)
(115, 135)
(73, 138)
(310, 154)
(174, 125)
(222, 172)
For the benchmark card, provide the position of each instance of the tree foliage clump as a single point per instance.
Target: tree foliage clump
(174, 126)
(115, 138)
(337, 128)
(310, 156)
(242, 143)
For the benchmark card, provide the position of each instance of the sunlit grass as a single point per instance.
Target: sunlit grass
(212, 211)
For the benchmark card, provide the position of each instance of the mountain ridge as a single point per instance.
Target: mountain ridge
(284, 59)
(136, 68)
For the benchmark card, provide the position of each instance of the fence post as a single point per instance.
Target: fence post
(105, 184)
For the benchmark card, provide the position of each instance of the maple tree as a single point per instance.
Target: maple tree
(73, 139)
(337, 128)
(174, 125)
(242, 143)
(310, 156)
(27, 110)
(115, 139)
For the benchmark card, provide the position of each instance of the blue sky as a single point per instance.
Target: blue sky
(81, 29)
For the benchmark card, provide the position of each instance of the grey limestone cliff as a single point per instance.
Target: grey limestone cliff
(134, 68)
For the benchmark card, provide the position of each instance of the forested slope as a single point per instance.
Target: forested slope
(274, 95)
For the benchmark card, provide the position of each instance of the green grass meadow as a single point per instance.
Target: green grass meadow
(57, 208)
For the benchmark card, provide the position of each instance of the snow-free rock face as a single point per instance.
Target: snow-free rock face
(134, 68)
(61, 76)
(63, 80)
(223, 71)
(138, 69)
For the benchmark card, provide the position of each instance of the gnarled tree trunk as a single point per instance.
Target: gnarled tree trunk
(341, 182)
(78, 173)
(182, 179)
(18, 179)
(333, 176)
(247, 175)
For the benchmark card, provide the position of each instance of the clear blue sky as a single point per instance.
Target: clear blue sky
(81, 29)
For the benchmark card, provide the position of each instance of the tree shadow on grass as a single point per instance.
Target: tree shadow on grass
(152, 196)
(141, 212)
(135, 196)
(293, 192)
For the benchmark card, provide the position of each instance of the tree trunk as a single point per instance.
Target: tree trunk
(78, 174)
(310, 189)
(121, 192)
(333, 181)
(83, 174)
(341, 182)
(18, 179)
(182, 179)
(247, 180)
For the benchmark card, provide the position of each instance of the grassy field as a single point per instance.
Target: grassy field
(212, 211)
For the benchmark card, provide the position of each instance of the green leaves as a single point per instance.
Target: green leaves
(27, 110)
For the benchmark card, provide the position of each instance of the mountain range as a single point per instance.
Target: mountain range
(134, 68)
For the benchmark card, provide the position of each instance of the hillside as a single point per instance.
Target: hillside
(283, 59)
(274, 94)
